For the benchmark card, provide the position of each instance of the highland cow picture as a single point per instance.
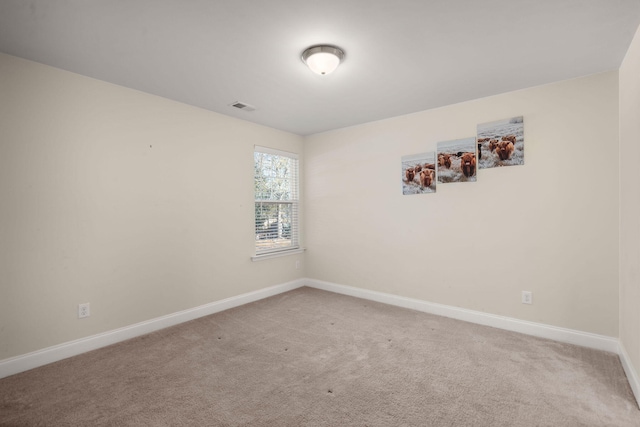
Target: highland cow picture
(419, 173)
(457, 161)
(501, 143)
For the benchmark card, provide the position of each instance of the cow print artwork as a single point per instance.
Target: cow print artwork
(501, 143)
(457, 160)
(419, 173)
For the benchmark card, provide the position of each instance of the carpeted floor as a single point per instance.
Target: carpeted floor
(314, 358)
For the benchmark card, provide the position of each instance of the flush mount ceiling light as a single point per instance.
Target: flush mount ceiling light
(322, 59)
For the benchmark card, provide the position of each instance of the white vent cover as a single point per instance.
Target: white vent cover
(243, 106)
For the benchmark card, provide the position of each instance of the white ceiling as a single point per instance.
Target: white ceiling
(402, 56)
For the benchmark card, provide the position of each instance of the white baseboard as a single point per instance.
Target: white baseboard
(52, 354)
(584, 339)
(632, 375)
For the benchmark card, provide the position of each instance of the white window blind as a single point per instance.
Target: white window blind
(276, 200)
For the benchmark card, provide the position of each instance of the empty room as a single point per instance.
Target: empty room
(292, 213)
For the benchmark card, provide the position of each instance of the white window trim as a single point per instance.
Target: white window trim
(278, 254)
(286, 251)
(275, 152)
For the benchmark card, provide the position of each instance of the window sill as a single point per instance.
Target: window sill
(277, 254)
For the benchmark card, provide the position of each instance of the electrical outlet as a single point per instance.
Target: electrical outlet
(297, 264)
(527, 297)
(83, 310)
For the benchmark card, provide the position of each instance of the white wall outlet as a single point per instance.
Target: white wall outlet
(83, 310)
(527, 297)
(297, 264)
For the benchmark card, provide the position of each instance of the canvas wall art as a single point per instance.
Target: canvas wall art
(501, 143)
(419, 173)
(457, 160)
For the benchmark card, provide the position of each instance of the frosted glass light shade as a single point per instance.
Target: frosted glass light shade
(322, 59)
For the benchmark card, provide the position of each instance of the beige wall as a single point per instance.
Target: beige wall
(137, 204)
(550, 226)
(143, 207)
(630, 203)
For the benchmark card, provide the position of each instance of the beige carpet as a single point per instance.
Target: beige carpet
(314, 358)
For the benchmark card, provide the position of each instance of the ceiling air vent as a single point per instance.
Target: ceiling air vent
(243, 106)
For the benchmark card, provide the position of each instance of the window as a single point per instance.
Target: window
(276, 200)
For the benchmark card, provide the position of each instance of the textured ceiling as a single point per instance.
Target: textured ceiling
(401, 57)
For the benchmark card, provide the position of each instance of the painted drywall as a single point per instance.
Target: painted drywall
(549, 226)
(139, 205)
(630, 203)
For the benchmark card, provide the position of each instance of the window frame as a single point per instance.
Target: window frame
(293, 201)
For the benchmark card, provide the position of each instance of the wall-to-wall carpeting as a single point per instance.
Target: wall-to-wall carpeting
(314, 358)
